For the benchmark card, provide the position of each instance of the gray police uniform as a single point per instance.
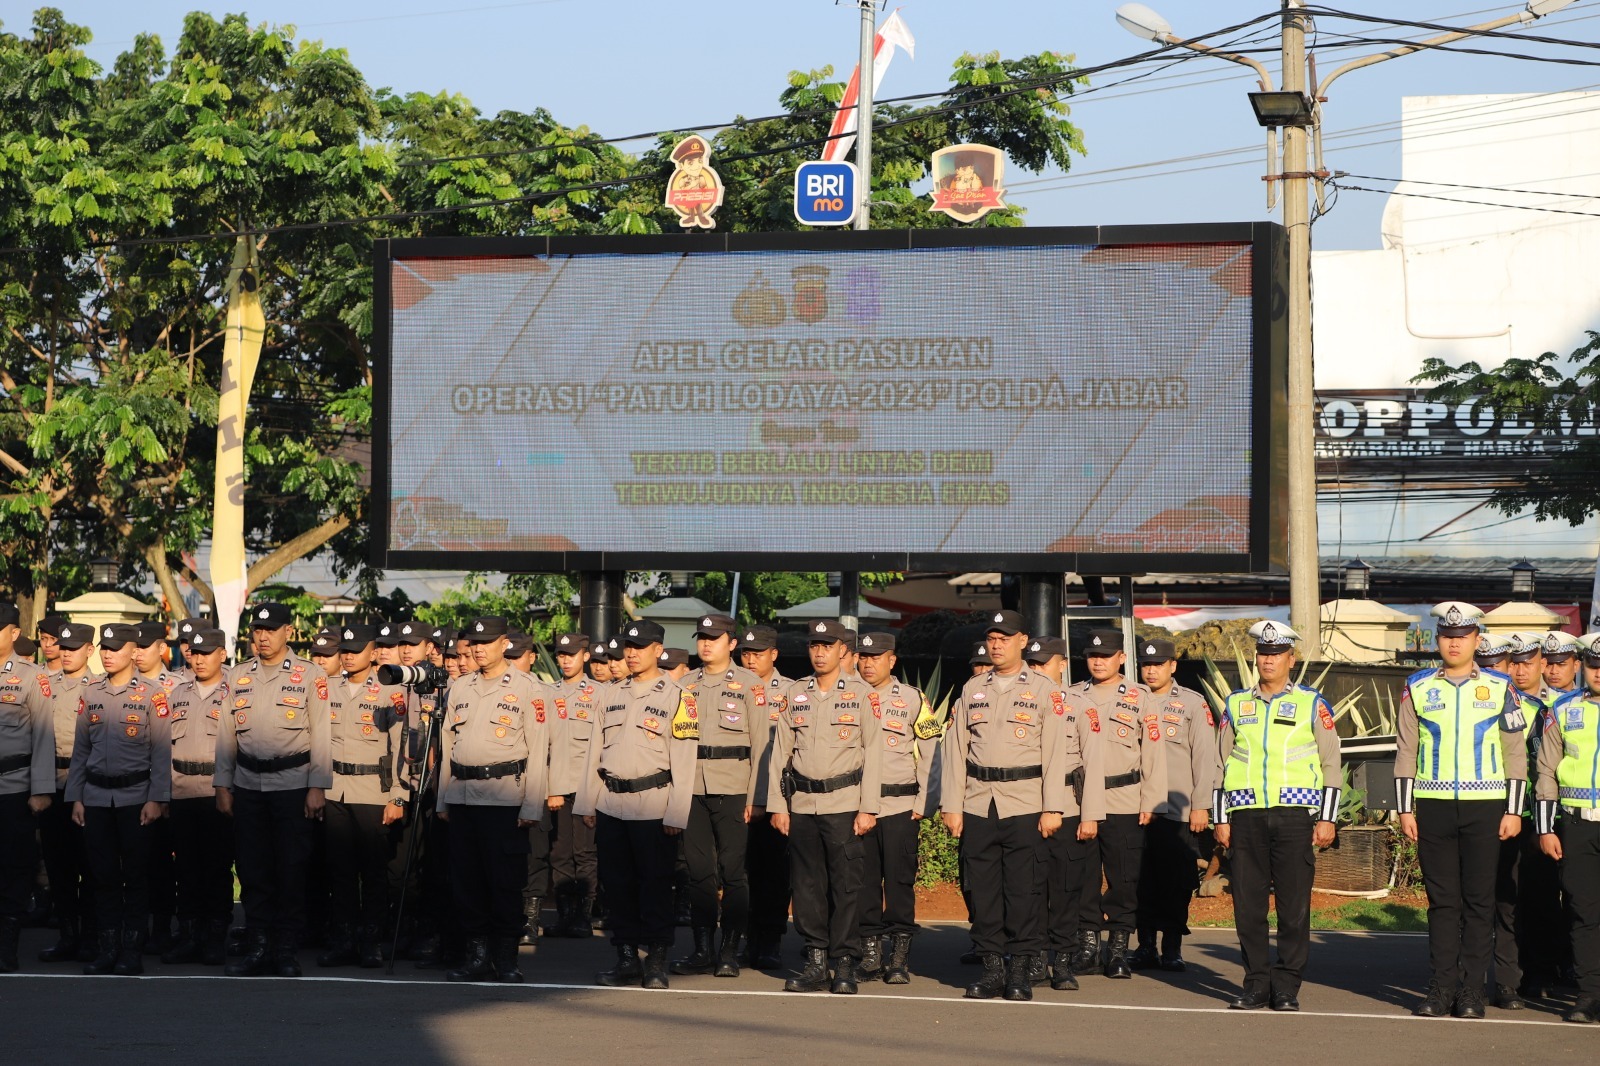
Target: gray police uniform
(766, 856)
(578, 707)
(1170, 872)
(365, 746)
(910, 789)
(65, 861)
(27, 768)
(202, 836)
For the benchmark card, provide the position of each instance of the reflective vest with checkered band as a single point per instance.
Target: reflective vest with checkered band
(1274, 762)
(1458, 735)
(1578, 774)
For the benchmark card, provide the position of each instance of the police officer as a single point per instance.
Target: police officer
(386, 644)
(1493, 652)
(1561, 661)
(824, 794)
(1459, 791)
(119, 783)
(1279, 755)
(325, 650)
(979, 660)
(183, 635)
(1007, 763)
(150, 656)
(636, 792)
(202, 837)
(1170, 872)
(675, 663)
(910, 732)
(1568, 768)
(46, 636)
(767, 851)
(65, 861)
(273, 771)
(492, 790)
(27, 778)
(733, 734)
(1136, 784)
(578, 706)
(1048, 655)
(367, 802)
(536, 889)
(599, 665)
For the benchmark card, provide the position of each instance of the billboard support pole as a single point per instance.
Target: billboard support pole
(869, 34)
(1041, 604)
(600, 603)
(850, 599)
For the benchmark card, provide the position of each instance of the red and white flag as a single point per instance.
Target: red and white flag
(892, 34)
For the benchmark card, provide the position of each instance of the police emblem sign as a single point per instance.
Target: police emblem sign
(826, 194)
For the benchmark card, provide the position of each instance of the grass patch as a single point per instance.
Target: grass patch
(1369, 915)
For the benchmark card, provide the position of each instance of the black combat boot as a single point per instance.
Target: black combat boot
(768, 955)
(1469, 1002)
(993, 980)
(186, 947)
(428, 951)
(1061, 976)
(814, 978)
(1117, 956)
(1584, 1012)
(1506, 998)
(160, 940)
(1172, 953)
(845, 979)
(582, 927)
(1144, 957)
(1019, 978)
(214, 944)
(477, 966)
(286, 957)
(971, 957)
(369, 947)
(1436, 1002)
(341, 947)
(700, 960)
(728, 956)
(871, 965)
(563, 926)
(530, 929)
(898, 969)
(64, 950)
(130, 959)
(106, 960)
(655, 967)
(1038, 968)
(10, 933)
(504, 954)
(1087, 958)
(256, 958)
(626, 971)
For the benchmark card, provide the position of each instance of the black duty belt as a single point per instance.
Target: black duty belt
(739, 752)
(1133, 777)
(272, 766)
(492, 772)
(659, 779)
(360, 769)
(194, 767)
(118, 781)
(1003, 773)
(891, 791)
(8, 763)
(827, 784)
(63, 762)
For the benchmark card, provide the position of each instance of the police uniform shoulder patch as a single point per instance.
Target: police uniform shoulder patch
(44, 685)
(1325, 714)
(161, 705)
(322, 688)
(686, 720)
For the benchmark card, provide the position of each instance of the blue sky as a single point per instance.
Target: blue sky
(628, 66)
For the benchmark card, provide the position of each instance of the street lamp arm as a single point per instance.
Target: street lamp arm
(1432, 42)
(1262, 75)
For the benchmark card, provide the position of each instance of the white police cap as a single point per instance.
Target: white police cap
(1456, 619)
(1273, 636)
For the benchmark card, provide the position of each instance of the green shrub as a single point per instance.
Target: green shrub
(938, 854)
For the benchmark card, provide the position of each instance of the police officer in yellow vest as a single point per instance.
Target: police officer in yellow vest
(1568, 780)
(1460, 771)
(1278, 800)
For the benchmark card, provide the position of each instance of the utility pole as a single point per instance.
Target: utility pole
(1304, 559)
(869, 33)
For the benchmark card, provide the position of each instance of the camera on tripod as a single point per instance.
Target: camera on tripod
(422, 678)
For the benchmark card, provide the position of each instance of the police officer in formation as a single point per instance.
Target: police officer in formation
(572, 856)
(27, 778)
(767, 850)
(66, 861)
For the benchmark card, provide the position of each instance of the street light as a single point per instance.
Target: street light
(103, 573)
(1283, 109)
(1357, 578)
(1522, 573)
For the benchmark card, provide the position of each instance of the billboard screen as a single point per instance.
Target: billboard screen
(1089, 400)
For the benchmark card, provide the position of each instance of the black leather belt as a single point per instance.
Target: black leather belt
(491, 772)
(63, 762)
(1003, 773)
(890, 791)
(194, 768)
(725, 753)
(119, 781)
(358, 769)
(827, 784)
(8, 763)
(272, 766)
(1120, 780)
(659, 779)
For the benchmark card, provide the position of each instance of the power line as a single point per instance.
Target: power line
(1486, 188)
(1335, 183)
(1438, 27)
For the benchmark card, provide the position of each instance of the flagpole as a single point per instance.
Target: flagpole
(869, 33)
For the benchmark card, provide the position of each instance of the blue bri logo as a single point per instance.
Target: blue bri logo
(825, 194)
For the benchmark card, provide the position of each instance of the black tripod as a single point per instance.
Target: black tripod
(427, 763)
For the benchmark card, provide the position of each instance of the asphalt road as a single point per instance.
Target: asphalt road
(1355, 1011)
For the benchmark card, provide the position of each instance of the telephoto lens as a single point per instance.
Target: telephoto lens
(423, 677)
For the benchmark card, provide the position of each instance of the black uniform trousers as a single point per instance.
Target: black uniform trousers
(19, 855)
(767, 862)
(572, 858)
(1118, 850)
(202, 840)
(714, 849)
(162, 872)
(1066, 859)
(637, 861)
(537, 883)
(1168, 876)
(1272, 850)
(119, 855)
(66, 862)
(434, 913)
(889, 876)
(273, 839)
(1543, 947)
(1507, 928)
(360, 848)
(825, 861)
(1458, 845)
(1005, 861)
(1580, 877)
(488, 868)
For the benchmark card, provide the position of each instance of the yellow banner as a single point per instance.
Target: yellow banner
(240, 352)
